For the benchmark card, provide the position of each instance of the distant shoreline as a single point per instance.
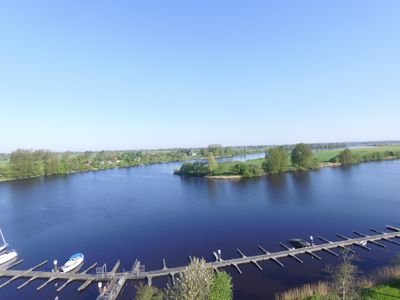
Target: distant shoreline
(8, 179)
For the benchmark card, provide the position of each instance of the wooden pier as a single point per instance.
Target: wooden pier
(115, 280)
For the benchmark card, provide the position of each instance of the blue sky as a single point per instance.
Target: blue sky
(82, 75)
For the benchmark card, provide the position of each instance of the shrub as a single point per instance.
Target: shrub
(222, 288)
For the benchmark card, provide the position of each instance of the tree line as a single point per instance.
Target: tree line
(24, 163)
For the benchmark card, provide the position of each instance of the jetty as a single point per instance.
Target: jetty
(112, 282)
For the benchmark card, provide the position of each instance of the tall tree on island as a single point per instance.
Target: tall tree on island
(302, 156)
(212, 163)
(346, 157)
(276, 161)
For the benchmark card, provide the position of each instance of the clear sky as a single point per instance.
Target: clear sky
(80, 75)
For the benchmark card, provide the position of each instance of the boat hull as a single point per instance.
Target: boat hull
(72, 264)
(8, 256)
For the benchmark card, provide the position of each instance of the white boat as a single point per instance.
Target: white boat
(75, 261)
(5, 245)
(7, 256)
(363, 243)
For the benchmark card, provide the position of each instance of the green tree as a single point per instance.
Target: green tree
(193, 169)
(242, 169)
(277, 160)
(302, 156)
(212, 163)
(222, 288)
(23, 164)
(247, 170)
(344, 277)
(194, 283)
(216, 149)
(146, 292)
(346, 157)
(51, 163)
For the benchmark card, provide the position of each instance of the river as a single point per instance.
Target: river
(148, 213)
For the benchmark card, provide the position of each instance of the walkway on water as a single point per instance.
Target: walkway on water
(116, 280)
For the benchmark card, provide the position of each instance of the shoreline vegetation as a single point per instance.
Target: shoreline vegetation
(346, 281)
(23, 164)
(283, 159)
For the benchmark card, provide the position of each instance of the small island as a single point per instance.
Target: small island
(281, 159)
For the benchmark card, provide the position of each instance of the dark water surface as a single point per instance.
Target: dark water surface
(150, 214)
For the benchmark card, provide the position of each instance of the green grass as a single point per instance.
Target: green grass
(384, 291)
(327, 155)
(256, 162)
(3, 163)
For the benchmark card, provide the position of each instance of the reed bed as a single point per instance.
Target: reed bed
(320, 288)
(323, 288)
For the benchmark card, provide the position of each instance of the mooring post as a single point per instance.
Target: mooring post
(219, 255)
(55, 265)
(216, 256)
(173, 278)
(100, 285)
(149, 280)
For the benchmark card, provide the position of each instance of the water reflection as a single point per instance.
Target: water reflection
(212, 188)
(302, 189)
(277, 189)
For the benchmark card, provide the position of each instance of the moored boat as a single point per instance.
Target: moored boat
(7, 256)
(5, 245)
(74, 262)
(299, 243)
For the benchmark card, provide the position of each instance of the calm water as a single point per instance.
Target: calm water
(150, 214)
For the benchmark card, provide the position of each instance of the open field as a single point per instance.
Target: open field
(327, 155)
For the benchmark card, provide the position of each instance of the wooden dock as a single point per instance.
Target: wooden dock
(115, 280)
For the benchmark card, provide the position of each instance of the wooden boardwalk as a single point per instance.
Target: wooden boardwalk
(116, 280)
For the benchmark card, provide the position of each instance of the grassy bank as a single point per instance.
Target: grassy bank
(390, 290)
(383, 283)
